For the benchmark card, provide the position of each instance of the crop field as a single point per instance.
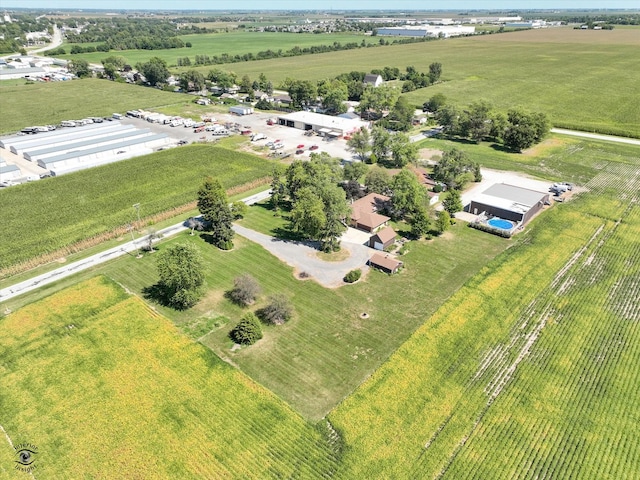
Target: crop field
(66, 210)
(232, 43)
(536, 356)
(566, 73)
(42, 103)
(104, 386)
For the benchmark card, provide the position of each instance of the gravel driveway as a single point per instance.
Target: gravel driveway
(302, 256)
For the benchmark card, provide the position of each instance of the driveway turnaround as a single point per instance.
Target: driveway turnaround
(303, 256)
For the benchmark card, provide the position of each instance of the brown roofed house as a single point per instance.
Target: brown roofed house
(364, 212)
(383, 239)
(385, 262)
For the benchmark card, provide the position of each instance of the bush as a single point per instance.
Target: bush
(248, 331)
(489, 229)
(245, 290)
(353, 276)
(278, 310)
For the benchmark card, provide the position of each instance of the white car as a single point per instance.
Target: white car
(188, 123)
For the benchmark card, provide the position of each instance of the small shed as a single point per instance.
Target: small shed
(383, 239)
(385, 262)
(241, 110)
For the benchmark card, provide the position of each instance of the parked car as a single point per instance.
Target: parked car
(182, 142)
(300, 146)
(313, 147)
(299, 151)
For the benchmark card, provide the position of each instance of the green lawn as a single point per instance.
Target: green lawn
(66, 210)
(579, 79)
(232, 43)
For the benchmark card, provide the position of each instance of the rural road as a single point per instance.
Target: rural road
(56, 41)
(115, 252)
(596, 136)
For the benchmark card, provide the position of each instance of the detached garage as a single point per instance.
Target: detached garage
(509, 202)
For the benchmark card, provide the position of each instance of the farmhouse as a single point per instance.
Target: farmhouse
(385, 262)
(325, 125)
(364, 213)
(508, 202)
(373, 80)
(383, 239)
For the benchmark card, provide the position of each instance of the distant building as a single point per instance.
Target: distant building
(385, 262)
(325, 125)
(427, 31)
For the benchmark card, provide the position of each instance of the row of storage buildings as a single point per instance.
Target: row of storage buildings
(68, 150)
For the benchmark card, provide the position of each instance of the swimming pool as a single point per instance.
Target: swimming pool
(500, 223)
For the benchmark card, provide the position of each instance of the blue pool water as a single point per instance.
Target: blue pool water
(500, 223)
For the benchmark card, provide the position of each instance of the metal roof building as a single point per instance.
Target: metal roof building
(324, 124)
(16, 140)
(92, 157)
(42, 153)
(509, 202)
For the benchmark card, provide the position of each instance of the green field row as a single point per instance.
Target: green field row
(46, 216)
(232, 43)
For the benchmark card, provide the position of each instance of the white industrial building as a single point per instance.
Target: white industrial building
(93, 157)
(70, 149)
(325, 125)
(33, 155)
(9, 172)
(445, 31)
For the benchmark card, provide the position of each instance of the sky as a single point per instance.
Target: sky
(319, 4)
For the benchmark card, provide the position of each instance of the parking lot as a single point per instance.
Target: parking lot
(291, 138)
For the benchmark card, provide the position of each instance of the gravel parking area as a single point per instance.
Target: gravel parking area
(302, 257)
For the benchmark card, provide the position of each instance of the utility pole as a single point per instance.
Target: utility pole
(130, 228)
(137, 207)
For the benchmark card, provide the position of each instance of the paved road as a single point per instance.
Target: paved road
(596, 136)
(303, 256)
(97, 259)
(56, 41)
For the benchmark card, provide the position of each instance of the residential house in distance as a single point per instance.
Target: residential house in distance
(373, 80)
(364, 213)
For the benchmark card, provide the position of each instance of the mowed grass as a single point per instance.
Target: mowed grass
(232, 43)
(581, 80)
(46, 216)
(535, 357)
(50, 103)
(103, 387)
(327, 349)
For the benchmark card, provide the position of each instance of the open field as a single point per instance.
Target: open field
(232, 43)
(535, 356)
(49, 103)
(66, 210)
(566, 73)
(104, 386)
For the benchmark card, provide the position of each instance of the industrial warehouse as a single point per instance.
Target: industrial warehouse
(68, 150)
(509, 202)
(324, 125)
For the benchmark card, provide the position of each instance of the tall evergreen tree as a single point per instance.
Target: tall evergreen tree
(214, 207)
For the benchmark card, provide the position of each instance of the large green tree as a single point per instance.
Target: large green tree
(455, 169)
(360, 143)
(453, 202)
(155, 70)
(192, 81)
(524, 129)
(80, 68)
(333, 93)
(477, 122)
(181, 272)
(403, 151)
(378, 180)
(381, 142)
(307, 215)
(401, 116)
(214, 207)
(408, 196)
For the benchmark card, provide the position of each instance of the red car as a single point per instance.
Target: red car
(300, 146)
(313, 147)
